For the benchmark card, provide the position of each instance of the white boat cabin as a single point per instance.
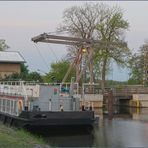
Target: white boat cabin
(16, 97)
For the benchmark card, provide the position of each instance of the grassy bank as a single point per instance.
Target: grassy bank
(14, 138)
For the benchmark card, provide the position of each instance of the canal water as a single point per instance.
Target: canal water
(128, 128)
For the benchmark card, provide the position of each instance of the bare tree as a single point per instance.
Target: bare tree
(82, 21)
(102, 22)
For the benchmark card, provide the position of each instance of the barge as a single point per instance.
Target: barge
(36, 106)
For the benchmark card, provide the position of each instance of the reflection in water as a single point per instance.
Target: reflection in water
(66, 136)
(84, 140)
(140, 114)
(129, 128)
(121, 133)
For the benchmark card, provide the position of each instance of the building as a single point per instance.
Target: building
(10, 62)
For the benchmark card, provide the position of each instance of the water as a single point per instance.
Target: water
(128, 128)
(121, 133)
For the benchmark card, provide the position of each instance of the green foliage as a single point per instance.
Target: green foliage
(112, 83)
(24, 73)
(3, 45)
(14, 138)
(136, 75)
(34, 76)
(58, 71)
(136, 64)
(110, 32)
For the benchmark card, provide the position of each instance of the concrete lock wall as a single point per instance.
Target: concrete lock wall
(96, 100)
(140, 100)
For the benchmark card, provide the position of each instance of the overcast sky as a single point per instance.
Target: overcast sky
(22, 20)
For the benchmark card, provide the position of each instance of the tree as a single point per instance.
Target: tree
(34, 76)
(24, 72)
(102, 22)
(111, 30)
(137, 64)
(58, 71)
(81, 21)
(3, 45)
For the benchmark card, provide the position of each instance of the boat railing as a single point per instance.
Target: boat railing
(93, 88)
(19, 88)
(9, 106)
(18, 82)
(31, 89)
(14, 90)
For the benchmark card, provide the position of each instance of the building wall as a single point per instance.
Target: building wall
(8, 69)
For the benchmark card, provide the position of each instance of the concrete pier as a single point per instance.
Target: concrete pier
(94, 100)
(139, 100)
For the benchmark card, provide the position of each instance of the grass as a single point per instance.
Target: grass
(15, 138)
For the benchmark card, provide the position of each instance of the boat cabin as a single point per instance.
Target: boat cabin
(16, 97)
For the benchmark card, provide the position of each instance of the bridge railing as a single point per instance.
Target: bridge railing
(130, 91)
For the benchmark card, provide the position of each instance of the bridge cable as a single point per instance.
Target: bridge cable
(54, 54)
(42, 57)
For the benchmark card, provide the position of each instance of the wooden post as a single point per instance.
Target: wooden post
(78, 65)
(90, 57)
(110, 104)
(91, 65)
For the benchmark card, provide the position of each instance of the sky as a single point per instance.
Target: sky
(22, 20)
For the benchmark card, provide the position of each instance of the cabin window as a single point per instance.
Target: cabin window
(15, 107)
(4, 103)
(11, 107)
(8, 106)
(0, 105)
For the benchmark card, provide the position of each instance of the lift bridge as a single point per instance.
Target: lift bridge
(90, 92)
(84, 54)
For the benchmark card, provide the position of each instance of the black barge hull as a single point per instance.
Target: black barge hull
(44, 120)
